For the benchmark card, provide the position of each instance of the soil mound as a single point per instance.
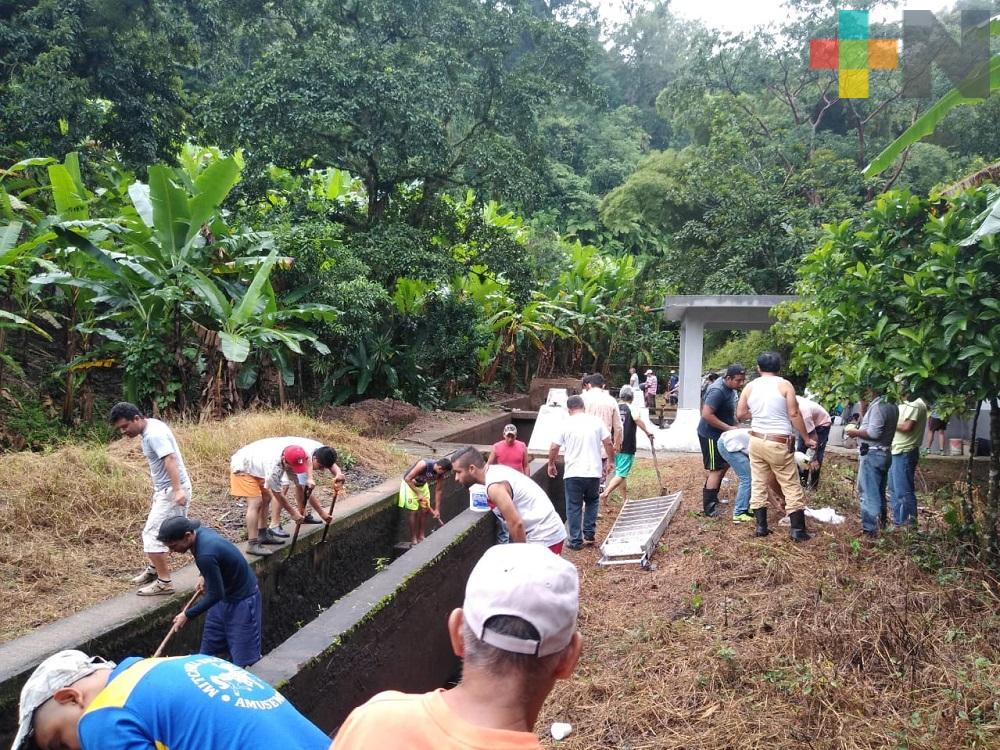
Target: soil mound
(373, 417)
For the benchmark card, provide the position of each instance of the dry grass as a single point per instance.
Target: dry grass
(70, 520)
(735, 642)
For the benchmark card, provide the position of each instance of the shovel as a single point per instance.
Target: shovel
(656, 466)
(173, 628)
(336, 491)
(298, 524)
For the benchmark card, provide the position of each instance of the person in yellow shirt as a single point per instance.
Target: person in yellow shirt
(516, 635)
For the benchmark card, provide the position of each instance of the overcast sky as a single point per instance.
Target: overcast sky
(743, 15)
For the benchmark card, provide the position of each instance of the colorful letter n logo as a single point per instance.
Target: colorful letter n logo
(853, 54)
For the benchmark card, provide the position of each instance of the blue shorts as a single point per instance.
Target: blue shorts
(234, 628)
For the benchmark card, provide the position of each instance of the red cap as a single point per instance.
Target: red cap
(295, 456)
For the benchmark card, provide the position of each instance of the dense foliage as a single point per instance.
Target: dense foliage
(446, 195)
(907, 299)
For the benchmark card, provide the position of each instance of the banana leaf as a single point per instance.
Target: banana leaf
(926, 124)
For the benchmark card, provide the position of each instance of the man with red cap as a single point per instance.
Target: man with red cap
(256, 473)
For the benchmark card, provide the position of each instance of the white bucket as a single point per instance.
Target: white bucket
(477, 498)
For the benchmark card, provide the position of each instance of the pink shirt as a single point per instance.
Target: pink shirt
(510, 455)
(813, 414)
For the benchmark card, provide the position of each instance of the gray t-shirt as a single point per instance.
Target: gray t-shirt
(158, 442)
(880, 422)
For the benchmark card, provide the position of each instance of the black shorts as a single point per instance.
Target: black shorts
(710, 457)
(936, 424)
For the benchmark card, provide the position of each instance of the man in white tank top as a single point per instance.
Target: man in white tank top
(770, 402)
(525, 507)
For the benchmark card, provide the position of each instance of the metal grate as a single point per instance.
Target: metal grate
(638, 529)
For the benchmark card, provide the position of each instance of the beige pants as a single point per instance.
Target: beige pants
(768, 459)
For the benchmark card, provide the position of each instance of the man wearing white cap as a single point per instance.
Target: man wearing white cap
(75, 702)
(516, 635)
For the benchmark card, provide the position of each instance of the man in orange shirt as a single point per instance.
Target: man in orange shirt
(516, 635)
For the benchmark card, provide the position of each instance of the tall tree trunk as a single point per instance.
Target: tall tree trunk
(282, 399)
(969, 534)
(69, 352)
(993, 498)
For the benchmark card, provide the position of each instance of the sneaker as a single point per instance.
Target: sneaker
(574, 547)
(310, 518)
(156, 588)
(589, 540)
(256, 548)
(266, 537)
(146, 576)
(278, 532)
(743, 518)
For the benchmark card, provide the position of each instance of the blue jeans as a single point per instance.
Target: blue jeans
(873, 473)
(581, 500)
(904, 496)
(740, 462)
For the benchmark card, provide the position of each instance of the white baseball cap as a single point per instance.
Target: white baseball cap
(526, 581)
(509, 429)
(58, 671)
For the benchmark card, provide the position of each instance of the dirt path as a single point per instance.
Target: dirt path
(737, 642)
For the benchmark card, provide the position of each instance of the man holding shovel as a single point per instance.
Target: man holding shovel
(231, 597)
(323, 459)
(631, 421)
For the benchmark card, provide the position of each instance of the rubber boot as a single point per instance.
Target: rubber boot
(709, 501)
(760, 516)
(798, 521)
(803, 477)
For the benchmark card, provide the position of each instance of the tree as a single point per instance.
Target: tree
(441, 93)
(910, 294)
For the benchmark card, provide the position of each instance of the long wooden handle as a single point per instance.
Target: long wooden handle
(333, 502)
(173, 628)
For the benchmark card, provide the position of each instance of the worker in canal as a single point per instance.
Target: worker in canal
(76, 702)
(525, 507)
(230, 594)
(415, 494)
(516, 635)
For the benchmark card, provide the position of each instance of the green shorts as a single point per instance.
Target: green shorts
(623, 464)
(414, 500)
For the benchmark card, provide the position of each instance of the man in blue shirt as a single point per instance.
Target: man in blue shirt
(194, 702)
(718, 414)
(231, 596)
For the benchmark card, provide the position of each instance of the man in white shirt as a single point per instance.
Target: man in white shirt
(171, 490)
(261, 470)
(582, 436)
(525, 507)
(770, 402)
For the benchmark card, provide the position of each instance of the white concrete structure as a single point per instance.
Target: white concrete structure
(698, 312)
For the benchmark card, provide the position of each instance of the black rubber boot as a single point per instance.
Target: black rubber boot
(760, 515)
(798, 521)
(709, 501)
(803, 477)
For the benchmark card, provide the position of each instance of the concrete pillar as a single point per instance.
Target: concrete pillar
(692, 342)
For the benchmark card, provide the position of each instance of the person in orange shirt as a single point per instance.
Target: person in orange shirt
(516, 635)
